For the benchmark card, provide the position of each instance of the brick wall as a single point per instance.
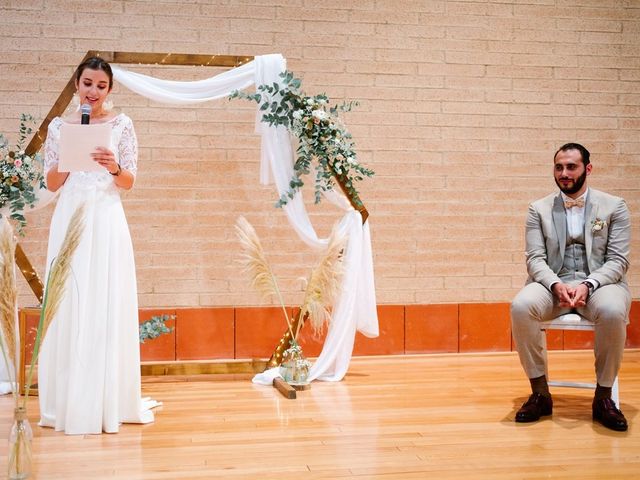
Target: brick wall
(462, 104)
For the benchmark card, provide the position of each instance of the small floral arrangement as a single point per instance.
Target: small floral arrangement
(294, 368)
(598, 225)
(323, 140)
(295, 352)
(20, 175)
(154, 327)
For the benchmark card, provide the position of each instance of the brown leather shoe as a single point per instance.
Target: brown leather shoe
(537, 406)
(606, 412)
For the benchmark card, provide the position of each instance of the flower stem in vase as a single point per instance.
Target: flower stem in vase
(20, 437)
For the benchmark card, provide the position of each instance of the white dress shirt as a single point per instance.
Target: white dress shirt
(575, 216)
(575, 228)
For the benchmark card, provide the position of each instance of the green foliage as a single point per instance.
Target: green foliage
(20, 174)
(154, 327)
(323, 141)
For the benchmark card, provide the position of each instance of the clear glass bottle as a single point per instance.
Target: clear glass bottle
(294, 368)
(20, 439)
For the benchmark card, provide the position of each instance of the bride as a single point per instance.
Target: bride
(89, 366)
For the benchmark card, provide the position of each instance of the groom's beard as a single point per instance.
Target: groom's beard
(577, 185)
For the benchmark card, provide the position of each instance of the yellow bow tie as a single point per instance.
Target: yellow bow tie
(570, 203)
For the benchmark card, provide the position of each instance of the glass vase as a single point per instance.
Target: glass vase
(20, 439)
(294, 368)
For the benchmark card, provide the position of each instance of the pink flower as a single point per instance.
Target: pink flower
(17, 162)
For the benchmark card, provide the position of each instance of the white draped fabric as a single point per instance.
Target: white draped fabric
(355, 307)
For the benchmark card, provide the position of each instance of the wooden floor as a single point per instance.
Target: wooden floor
(409, 417)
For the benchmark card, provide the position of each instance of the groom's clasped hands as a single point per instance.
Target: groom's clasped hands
(570, 297)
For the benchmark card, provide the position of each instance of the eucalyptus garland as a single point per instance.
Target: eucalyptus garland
(154, 327)
(324, 143)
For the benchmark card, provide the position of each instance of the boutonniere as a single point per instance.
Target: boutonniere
(597, 225)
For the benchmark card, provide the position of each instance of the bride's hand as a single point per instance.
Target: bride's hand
(106, 158)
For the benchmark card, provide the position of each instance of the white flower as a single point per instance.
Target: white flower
(598, 225)
(297, 114)
(320, 114)
(20, 175)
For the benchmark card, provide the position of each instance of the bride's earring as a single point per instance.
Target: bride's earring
(107, 105)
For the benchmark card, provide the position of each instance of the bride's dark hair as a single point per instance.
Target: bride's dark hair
(95, 63)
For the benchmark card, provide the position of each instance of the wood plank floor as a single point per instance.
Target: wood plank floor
(409, 417)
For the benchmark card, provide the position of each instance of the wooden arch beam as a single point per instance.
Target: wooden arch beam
(139, 58)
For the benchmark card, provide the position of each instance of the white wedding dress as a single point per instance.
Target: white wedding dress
(89, 366)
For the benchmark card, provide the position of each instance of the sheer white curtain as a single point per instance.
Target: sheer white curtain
(355, 307)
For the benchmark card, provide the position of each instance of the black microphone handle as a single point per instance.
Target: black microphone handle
(84, 119)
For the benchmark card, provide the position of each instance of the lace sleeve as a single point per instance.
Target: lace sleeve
(128, 148)
(51, 145)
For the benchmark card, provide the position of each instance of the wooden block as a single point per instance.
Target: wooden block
(305, 386)
(284, 388)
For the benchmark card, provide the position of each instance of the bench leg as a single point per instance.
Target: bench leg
(615, 391)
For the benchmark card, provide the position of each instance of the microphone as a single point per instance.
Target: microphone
(86, 114)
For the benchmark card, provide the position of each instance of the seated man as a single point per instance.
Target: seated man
(577, 249)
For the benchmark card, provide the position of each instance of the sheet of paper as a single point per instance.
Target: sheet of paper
(77, 142)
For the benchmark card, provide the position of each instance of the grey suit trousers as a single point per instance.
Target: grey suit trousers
(608, 307)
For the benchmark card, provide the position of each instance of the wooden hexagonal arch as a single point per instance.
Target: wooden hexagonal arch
(147, 58)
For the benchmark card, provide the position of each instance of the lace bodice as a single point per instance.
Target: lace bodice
(124, 144)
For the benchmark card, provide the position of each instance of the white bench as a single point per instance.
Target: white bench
(574, 321)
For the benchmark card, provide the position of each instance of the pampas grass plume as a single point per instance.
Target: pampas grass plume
(8, 299)
(323, 284)
(61, 267)
(254, 262)
(56, 283)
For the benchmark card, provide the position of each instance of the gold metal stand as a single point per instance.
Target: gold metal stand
(26, 336)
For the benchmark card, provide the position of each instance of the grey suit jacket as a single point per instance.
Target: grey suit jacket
(607, 248)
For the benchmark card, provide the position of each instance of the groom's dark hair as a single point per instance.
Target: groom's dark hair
(584, 153)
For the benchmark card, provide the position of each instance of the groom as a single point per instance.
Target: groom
(577, 249)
